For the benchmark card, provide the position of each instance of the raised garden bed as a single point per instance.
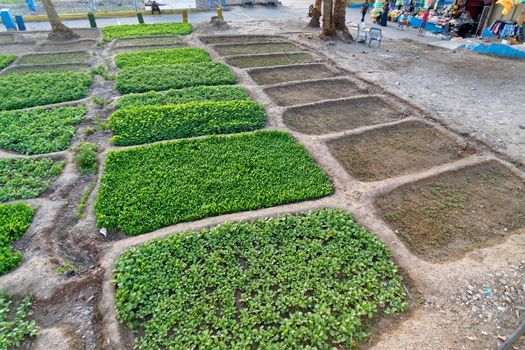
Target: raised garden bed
(23, 178)
(161, 57)
(266, 76)
(138, 79)
(294, 282)
(142, 48)
(50, 46)
(243, 49)
(28, 90)
(334, 116)
(54, 58)
(135, 30)
(147, 41)
(229, 39)
(6, 60)
(36, 131)
(394, 151)
(276, 59)
(149, 187)
(445, 216)
(311, 91)
(47, 68)
(138, 125)
(15, 219)
(176, 96)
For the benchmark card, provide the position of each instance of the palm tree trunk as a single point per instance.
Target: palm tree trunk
(340, 19)
(328, 20)
(315, 14)
(58, 29)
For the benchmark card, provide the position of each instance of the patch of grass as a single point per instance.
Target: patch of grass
(132, 30)
(6, 60)
(149, 187)
(86, 157)
(138, 79)
(29, 90)
(176, 96)
(308, 281)
(101, 101)
(103, 71)
(81, 207)
(36, 131)
(52, 58)
(88, 131)
(161, 57)
(23, 178)
(139, 125)
(15, 325)
(15, 219)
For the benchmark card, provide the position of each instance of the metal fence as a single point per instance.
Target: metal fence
(18, 7)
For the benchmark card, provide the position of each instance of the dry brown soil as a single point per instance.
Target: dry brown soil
(311, 91)
(277, 59)
(229, 39)
(265, 76)
(244, 49)
(334, 116)
(57, 47)
(443, 217)
(395, 150)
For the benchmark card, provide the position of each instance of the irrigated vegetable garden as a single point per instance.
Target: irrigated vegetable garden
(176, 195)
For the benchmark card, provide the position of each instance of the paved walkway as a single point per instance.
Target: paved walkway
(290, 9)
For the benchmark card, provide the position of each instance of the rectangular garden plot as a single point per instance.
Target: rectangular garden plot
(443, 217)
(334, 116)
(239, 278)
(230, 39)
(149, 187)
(137, 30)
(161, 57)
(243, 49)
(47, 68)
(267, 76)
(394, 151)
(276, 59)
(148, 40)
(139, 125)
(50, 46)
(138, 79)
(54, 58)
(311, 91)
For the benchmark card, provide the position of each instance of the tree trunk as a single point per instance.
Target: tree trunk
(340, 19)
(328, 20)
(315, 14)
(58, 29)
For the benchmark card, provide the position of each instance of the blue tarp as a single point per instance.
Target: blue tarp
(416, 22)
(497, 49)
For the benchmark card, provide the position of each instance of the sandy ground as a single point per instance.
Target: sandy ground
(459, 304)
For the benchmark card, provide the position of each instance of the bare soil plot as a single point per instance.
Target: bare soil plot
(244, 49)
(279, 59)
(50, 46)
(137, 48)
(394, 151)
(229, 39)
(16, 49)
(443, 217)
(54, 58)
(276, 75)
(47, 68)
(311, 91)
(334, 116)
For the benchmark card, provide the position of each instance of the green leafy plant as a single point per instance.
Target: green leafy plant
(138, 79)
(39, 130)
(138, 125)
(53, 68)
(103, 71)
(176, 96)
(66, 268)
(81, 206)
(307, 281)
(6, 60)
(88, 130)
(149, 187)
(22, 178)
(28, 90)
(14, 324)
(132, 30)
(101, 101)
(147, 41)
(52, 58)
(15, 219)
(161, 57)
(86, 157)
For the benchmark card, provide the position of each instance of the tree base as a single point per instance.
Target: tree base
(339, 35)
(63, 34)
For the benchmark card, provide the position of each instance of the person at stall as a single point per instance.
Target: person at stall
(384, 14)
(155, 7)
(424, 20)
(364, 10)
